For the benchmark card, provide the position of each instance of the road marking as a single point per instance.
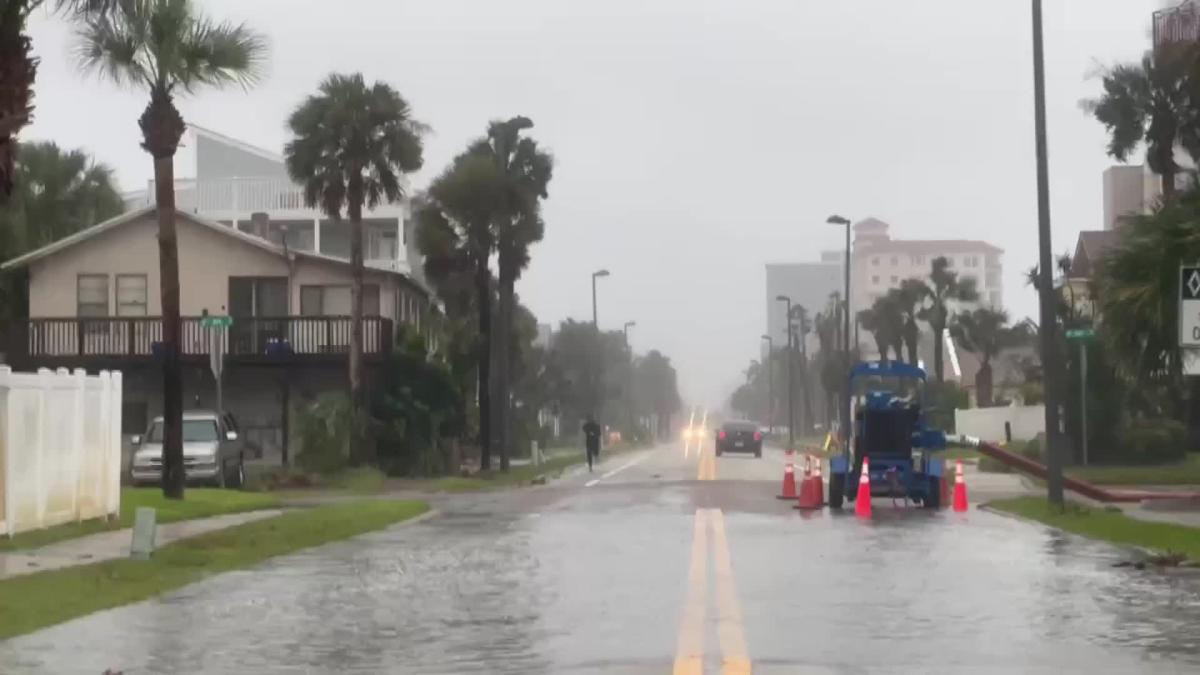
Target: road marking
(591, 482)
(689, 646)
(735, 658)
(619, 469)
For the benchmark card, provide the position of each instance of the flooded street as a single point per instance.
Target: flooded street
(652, 570)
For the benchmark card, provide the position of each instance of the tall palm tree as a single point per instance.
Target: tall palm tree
(1152, 102)
(168, 47)
(885, 322)
(908, 300)
(456, 231)
(18, 68)
(941, 289)
(351, 146)
(517, 225)
(983, 332)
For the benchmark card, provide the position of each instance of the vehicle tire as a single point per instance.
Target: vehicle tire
(837, 487)
(718, 450)
(933, 498)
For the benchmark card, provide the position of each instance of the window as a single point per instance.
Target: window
(895, 261)
(895, 279)
(92, 295)
(131, 295)
(335, 300)
(917, 260)
(875, 261)
(971, 261)
(194, 431)
(875, 279)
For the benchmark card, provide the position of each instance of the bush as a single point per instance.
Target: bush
(324, 428)
(941, 400)
(1154, 440)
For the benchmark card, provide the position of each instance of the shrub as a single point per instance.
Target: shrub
(941, 400)
(324, 429)
(1154, 440)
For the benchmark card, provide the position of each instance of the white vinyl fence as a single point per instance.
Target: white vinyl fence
(1026, 422)
(60, 447)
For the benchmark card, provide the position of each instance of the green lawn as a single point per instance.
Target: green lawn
(491, 480)
(1186, 472)
(28, 603)
(197, 503)
(1112, 526)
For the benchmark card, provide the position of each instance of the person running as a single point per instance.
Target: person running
(591, 438)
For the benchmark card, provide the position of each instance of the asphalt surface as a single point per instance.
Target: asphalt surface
(658, 563)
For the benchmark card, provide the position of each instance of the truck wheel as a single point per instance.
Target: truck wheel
(837, 487)
(933, 498)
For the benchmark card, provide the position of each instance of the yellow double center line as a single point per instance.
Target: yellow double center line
(689, 648)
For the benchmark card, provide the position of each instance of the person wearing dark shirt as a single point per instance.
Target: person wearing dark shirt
(591, 437)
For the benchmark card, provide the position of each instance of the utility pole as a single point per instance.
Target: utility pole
(791, 380)
(770, 383)
(1050, 362)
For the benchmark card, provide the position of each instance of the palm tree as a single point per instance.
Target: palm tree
(350, 148)
(908, 300)
(1152, 102)
(885, 322)
(456, 232)
(168, 47)
(983, 332)
(942, 288)
(18, 68)
(57, 194)
(517, 225)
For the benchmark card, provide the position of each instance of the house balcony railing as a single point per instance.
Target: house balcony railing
(225, 198)
(249, 338)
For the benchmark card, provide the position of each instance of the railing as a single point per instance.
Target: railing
(237, 196)
(142, 336)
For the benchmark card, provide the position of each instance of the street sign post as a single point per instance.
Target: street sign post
(1082, 336)
(1189, 317)
(216, 326)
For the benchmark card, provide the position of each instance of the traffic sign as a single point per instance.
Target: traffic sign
(1081, 334)
(1189, 306)
(216, 321)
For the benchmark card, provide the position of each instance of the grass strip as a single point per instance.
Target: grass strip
(1186, 472)
(516, 475)
(35, 601)
(1106, 525)
(197, 503)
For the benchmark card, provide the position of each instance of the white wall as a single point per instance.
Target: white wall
(60, 448)
(988, 423)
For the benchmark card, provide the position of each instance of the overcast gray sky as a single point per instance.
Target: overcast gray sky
(695, 140)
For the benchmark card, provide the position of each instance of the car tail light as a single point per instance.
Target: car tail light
(758, 435)
(721, 435)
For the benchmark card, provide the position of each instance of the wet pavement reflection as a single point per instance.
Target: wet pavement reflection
(568, 579)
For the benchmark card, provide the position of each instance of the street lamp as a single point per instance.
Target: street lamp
(596, 275)
(770, 383)
(839, 220)
(1047, 300)
(790, 374)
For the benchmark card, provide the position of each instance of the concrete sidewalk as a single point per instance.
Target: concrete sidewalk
(113, 545)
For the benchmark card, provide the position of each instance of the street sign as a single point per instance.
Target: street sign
(216, 321)
(1081, 334)
(1189, 306)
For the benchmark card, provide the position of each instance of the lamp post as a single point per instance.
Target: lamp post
(790, 377)
(596, 275)
(845, 415)
(1047, 327)
(770, 383)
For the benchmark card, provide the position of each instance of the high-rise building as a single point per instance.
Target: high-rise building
(880, 263)
(808, 284)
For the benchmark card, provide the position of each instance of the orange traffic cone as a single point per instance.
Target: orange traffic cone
(960, 489)
(818, 484)
(789, 479)
(862, 503)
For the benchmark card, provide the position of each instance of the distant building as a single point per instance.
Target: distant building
(881, 263)
(545, 335)
(808, 284)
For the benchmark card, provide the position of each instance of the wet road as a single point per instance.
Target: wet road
(657, 563)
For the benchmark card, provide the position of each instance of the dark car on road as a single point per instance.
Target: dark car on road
(739, 437)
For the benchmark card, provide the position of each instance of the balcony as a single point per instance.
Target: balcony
(102, 341)
(235, 199)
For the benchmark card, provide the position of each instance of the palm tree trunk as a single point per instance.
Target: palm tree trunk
(983, 385)
(17, 72)
(483, 294)
(939, 344)
(358, 441)
(162, 127)
(1168, 185)
(504, 372)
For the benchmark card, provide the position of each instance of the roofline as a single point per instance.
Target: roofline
(240, 145)
(869, 244)
(227, 230)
